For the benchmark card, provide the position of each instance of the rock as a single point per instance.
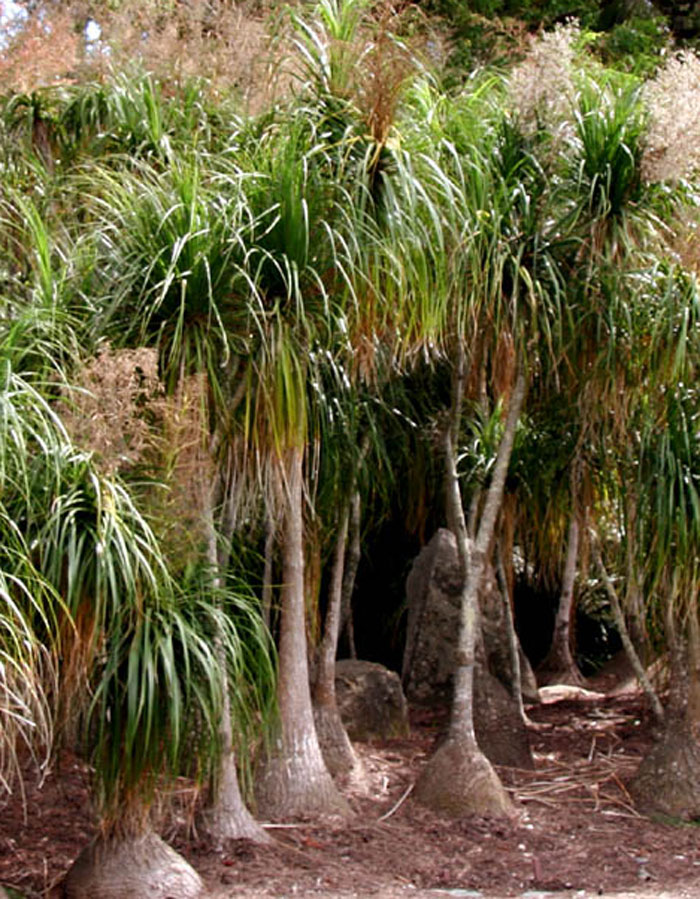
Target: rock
(433, 591)
(558, 692)
(434, 588)
(499, 728)
(370, 699)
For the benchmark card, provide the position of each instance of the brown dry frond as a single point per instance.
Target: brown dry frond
(386, 67)
(686, 243)
(541, 87)
(672, 98)
(112, 412)
(187, 469)
(120, 412)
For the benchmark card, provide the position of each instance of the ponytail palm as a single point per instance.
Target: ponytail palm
(228, 272)
(29, 645)
(504, 289)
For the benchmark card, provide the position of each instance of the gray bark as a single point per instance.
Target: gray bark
(631, 652)
(294, 779)
(267, 571)
(560, 666)
(226, 816)
(131, 868)
(337, 750)
(459, 778)
(352, 561)
(516, 686)
(474, 563)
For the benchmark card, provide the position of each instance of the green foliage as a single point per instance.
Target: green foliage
(312, 276)
(637, 45)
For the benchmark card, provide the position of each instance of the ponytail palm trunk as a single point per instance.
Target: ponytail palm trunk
(459, 779)
(226, 816)
(559, 667)
(340, 757)
(294, 779)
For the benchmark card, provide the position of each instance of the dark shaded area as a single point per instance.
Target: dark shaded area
(380, 604)
(596, 639)
(380, 593)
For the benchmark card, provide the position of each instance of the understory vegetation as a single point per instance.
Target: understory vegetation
(270, 278)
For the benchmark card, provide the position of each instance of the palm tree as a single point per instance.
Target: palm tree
(29, 645)
(129, 638)
(504, 285)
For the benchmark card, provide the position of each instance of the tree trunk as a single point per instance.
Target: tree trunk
(459, 779)
(131, 868)
(694, 667)
(559, 667)
(294, 779)
(340, 757)
(267, 571)
(667, 782)
(226, 816)
(632, 657)
(352, 561)
(516, 686)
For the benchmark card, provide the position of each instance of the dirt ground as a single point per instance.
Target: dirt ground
(577, 833)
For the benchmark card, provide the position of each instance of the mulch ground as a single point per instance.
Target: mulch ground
(577, 829)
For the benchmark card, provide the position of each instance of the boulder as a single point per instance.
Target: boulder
(371, 702)
(433, 591)
(499, 727)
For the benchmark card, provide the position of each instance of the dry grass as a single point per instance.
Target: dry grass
(541, 87)
(229, 49)
(119, 412)
(41, 53)
(673, 102)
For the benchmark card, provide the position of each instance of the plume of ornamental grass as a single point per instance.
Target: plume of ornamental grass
(541, 87)
(672, 99)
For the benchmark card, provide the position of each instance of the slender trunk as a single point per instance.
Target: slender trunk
(679, 675)
(462, 722)
(324, 688)
(694, 666)
(352, 561)
(459, 779)
(473, 563)
(267, 571)
(294, 779)
(226, 817)
(516, 685)
(627, 643)
(559, 666)
(336, 747)
(634, 604)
